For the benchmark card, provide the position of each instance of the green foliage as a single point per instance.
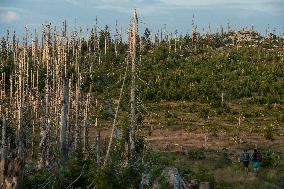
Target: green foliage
(169, 114)
(191, 127)
(78, 168)
(269, 132)
(39, 179)
(232, 119)
(204, 174)
(164, 183)
(162, 159)
(213, 127)
(270, 159)
(205, 111)
(240, 75)
(196, 154)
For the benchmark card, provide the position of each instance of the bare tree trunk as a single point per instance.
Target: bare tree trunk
(98, 146)
(18, 165)
(64, 126)
(77, 127)
(3, 151)
(85, 126)
(44, 146)
(133, 88)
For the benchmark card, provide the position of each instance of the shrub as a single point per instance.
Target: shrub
(270, 159)
(203, 174)
(213, 127)
(170, 121)
(190, 127)
(232, 119)
(196, 154)
(205, 111)
(269, 133)
(169, 114)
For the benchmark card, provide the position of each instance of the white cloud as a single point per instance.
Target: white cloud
(9, 16)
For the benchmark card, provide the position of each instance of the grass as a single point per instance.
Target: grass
(214, 167)
(186, 123)
(181, 126)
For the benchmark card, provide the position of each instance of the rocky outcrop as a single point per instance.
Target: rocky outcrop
(171, 177)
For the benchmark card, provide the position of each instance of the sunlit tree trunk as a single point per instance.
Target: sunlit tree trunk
(20, 160)
(77, 127)
(133, 88)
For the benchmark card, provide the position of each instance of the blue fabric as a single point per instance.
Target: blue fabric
(246, 156)
(246, 163)
(256, 164)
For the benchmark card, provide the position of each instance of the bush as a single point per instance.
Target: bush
(38, 179)
(190, 127)
(213, 127)
(196, 154)
(169, 114)
(170, 121)
(270, 159)
(205, 111)
(232, 119)
(203, 174)
(269, 133)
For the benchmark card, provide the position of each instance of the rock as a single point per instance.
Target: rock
(146, 181)
(172, 177)
(194, 184)
(169, 175)
(205, 185)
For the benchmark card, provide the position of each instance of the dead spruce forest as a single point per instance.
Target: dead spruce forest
(129, 108)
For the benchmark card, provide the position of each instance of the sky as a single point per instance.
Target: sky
(264, 15)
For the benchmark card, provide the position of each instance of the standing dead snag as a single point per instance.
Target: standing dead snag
(64, 117)
(3, 151)
(18, 165)
(44, 143)
(77, 96)
(133, 86)
(86, 126)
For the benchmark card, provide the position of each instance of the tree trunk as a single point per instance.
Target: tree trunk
(64, 126)
(98, 146)
(77, 127)
(44, 146)
(86, 126)
(19, 163)
(133, 88)
(3, 151)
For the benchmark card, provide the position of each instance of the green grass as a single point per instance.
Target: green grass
(215, 167)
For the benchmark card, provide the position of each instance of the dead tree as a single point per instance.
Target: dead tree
(20, 159)
(63, 123)
(3, 151)
(77, 126)
(133, 87)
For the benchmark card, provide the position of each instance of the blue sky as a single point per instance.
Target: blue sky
(176, 14)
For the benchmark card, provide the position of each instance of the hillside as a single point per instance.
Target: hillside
(94, 111)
